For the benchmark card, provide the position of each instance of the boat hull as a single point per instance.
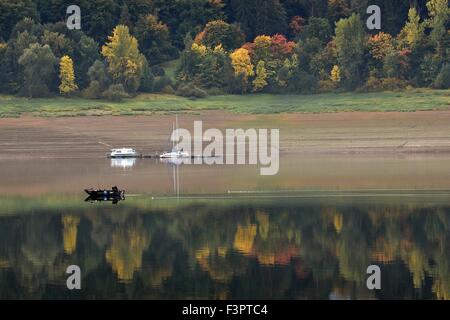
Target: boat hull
(174, 155)
(105, 194)
(124, 156)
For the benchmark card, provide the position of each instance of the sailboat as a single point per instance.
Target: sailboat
(175, 153)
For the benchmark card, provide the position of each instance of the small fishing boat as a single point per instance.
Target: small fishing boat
(104, 194)
(123, 153)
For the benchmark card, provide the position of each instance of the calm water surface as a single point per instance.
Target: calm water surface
(224, 232)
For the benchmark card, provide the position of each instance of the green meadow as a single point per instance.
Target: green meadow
(147, 104)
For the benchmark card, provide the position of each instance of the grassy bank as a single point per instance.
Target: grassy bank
(416, 100)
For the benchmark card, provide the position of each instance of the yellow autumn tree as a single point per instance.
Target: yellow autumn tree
(441, 287)
(67, 76)
(413, 32)
(244, 238)
(70, 232)
(338, 222)
(125, 252)
(199, 48)
(242, 64)
(125, 62)
(261, 47)
(260, 81)
(335, 74)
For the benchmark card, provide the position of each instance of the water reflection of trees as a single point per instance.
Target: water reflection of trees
(291, 251)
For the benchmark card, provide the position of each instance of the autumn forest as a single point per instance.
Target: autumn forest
(196, 48)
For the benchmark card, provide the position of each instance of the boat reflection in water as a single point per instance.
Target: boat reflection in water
(175, 164)
(123, 163)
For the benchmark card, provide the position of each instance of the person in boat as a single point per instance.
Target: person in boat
(115, 190)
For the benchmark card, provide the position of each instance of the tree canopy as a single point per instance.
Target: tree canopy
(300, 46)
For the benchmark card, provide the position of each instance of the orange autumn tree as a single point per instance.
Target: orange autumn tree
(380, 45)
(270, 54)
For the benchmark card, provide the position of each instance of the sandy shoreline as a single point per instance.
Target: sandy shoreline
(329, 133)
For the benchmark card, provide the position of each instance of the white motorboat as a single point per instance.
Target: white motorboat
(123, 153)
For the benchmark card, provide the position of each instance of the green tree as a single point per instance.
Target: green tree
(154, 39)
(147, 81)
(125, 18)
(86, 53)
(413, 31)
(26, 24)
(115, 93)
(212, 74)
(317, 28)
(350, 47)
(311, 8)
(219, 32)
(52, 11)
(125, 62)
(3, 67)
(307, 51)
(258, 17)
(260, 81)
(12, 73)
(439, 13)
(442, 80)
(190, 61)
(59, 44)
(99, 80)
(185, 17)
(100, 18)
(38, 63)
(338, 9)
(138, 8)
(12, 12)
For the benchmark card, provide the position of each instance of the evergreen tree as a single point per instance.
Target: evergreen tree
(259, 17)
(154, 39)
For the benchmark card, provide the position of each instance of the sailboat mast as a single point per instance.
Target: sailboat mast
(176, 128)
(173, 140)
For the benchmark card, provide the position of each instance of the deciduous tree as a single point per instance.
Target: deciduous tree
(350, 46)
(260, 81)
(219, 32)
(66, 76)
(38, 63)
(125, 62)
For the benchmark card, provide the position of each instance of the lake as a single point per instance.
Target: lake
(225, 232)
